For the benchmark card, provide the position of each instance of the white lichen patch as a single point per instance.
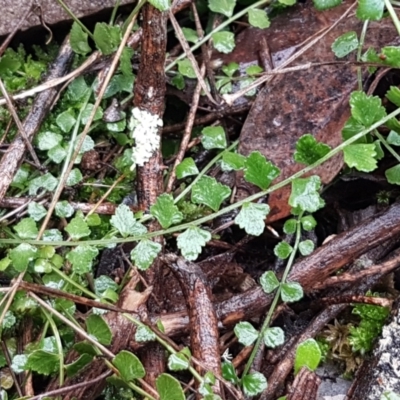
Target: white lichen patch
(144, 130)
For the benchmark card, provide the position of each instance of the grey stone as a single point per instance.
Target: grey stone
(13, 10)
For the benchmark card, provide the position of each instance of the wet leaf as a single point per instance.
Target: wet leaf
(124, 221)
(246, 333)
(224, 7)
(345, 44)
(169, 388)
(166, 212)
(305, 194)
(308, 354)
(129, 365)
(361, 156)
(283, 250)
(191, 242)
(210, 192)
(274, 337)
(224, 42)
(254, 383)
(370, 9)
(251, 218)
(259, 18)
(259, 171)
(213, 137)
(144, 253)
(308, 150)
(269, 282)
(186, 168)
(291, 292)
(98, 328)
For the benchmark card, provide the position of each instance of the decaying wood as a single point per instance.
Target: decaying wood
(305, 386)
(149, 95)
(12, 159)
(202, 317)
(380, 373)
(306, 101)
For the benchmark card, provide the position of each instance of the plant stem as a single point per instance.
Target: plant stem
(359, 50)
(387, 145)
(217, 29)
(275, 300)
(393, 15)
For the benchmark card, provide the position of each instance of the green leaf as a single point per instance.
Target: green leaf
(21, 255)
(283, 250)
(326, 4)
(66, 120)
(77, 89)
(224, 42)
(190, 35)
(246, 333)
(47, 140)
(251, 218)
(308, 223)
(46, 181)
(79, 40)
(274, 337)
(393, 138)
(81, 258)
(390, 396)
(210, 192)
(393, 175)
(254, 383)
(345, 44)
(81, 362)
(74, 177)
(124, 221)
(129, 366)
(178, 362)
(166, 212)
(144, 334)
(178, 81)
(259, 171)
(186, 69)
(224, 7)
(230, 69)
(361, 156)
(169, 388)
(106, 37)
(393, 95)
(26, 228)
(186, 168)
(306, 247)
(269, 282)
(305, 194)
(98, 328)
(290, 226)
(370, 9)
(57, 154)
(229, 373)
(144, 253)
(213, 138)
(366, 109)
(352, 128)
(161, 5)
(254, 70)
(232, 161)
(191, 242)
(4, 263)
(308, 150)
(63, 209)
(42, 266)
(36, 211)
(86, 115)
(291, 292)
(308, 354)
(259, 18)
(43, 362)
(77, 228)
